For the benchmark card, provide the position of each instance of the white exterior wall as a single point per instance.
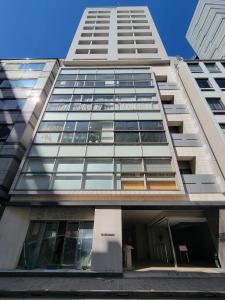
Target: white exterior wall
(107, 241)
(126, 38)
(206, 33)
(209, 121)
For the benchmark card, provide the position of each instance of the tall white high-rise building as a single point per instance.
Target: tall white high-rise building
(115, 34)
(119, 175)
(206, 33)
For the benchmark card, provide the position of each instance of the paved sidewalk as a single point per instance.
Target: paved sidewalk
(153, 284)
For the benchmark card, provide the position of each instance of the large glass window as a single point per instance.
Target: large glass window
(11, 104)
(100, 125)
(100, 131)
(204, 83)
(47, 137)
(67, 137)
(82, 126)
(195, 67)
(51, 126)
(33, 182)
(57, 244)
(158, 165)
(129, 166)
(80, 137)
(126, 125)
(43, 165)
(94, 137)
(58, 107)
(5, 131)
(18, 83)
(60, 98)
(80, 173)
(64, 84)
(220, 82)
(212, 67)
(81, 106)
(142, 83)
(98, 182)
(99, 165)
(153, 137)
(103, 98)
(66, 165)
(84, 98)
(151, 125)
(67, 77)
(222, 126)
(125, 98)
(124, 77)
(141, 77)
(67, 182)
(127, 137)
(32, 67)
(215, 103)
(70, 126)
(145, 98)
(103, 106)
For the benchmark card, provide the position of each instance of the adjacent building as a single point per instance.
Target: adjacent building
(205, 84)
(120, 174)
(24, 87)
(206, 33)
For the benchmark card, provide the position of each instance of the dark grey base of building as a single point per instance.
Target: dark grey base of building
(154, 285)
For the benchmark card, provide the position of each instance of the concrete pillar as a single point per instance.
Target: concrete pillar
(13, 229)
(107, 241)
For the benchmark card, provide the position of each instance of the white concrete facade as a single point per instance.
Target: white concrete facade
(116, 33)
(208, 103)
(206, 33)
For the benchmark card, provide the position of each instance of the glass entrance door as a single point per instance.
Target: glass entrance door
(77, 245)
(58, 244)
(161, 244)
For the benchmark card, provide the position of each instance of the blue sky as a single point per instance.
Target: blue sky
(45, 28)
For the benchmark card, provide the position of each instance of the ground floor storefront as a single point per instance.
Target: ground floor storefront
(111, 240)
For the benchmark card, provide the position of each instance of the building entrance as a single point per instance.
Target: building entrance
(194, 245)
(154, 238)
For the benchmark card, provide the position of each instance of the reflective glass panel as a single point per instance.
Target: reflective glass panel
(126, 125)
(127, 137)
(51, 126)
(80, 137)
(60, 98)
(153, 137)
(98, 182)
(82, 126)
(95, 165)
(47, 137)
(151, 125)
(39, 165)
(66, 182)
(69, 165)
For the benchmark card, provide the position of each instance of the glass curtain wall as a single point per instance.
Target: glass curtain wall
(57, 244)
(92, 111)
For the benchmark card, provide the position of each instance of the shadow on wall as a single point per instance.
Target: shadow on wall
(109, 260)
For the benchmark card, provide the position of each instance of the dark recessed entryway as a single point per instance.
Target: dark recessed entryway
(193, 244)
(159, 238)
